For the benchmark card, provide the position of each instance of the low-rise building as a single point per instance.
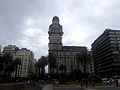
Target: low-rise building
(27, 63)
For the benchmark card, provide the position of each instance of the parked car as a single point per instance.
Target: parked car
(106, 81)
(118, 78)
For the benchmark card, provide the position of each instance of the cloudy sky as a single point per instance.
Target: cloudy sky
(25, 22)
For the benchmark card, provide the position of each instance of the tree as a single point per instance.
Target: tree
(83, 58)
(40, 66)
(7, 65)
(1, 64)
(62, 68)
(1, 67)
(52, 63)
(37, 69)
(7, 61)
(16, 62)
(43, 62)
(76, 74)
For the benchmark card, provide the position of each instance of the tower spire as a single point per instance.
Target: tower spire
(55, 19)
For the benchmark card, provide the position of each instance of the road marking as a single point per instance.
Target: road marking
(91, 89)
(77, 87)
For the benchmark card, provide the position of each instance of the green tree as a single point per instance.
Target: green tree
(8, 65)
(76, 74)
(40, 66)
(37, 68)
(83, 58)
(16, 62)
(43, 62)
(62, 68)
(52, 63)
(1, 64)
(7, 61)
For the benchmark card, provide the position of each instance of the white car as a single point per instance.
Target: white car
(106, 81)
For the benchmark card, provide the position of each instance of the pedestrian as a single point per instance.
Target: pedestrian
(116, 82)
(93, 84)
(81, 84)
(86, 83)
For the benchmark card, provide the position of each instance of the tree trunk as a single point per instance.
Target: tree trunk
(62, 72)
(4, 74)
(38, 72)
(15, 71)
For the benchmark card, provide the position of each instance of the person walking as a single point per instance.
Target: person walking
(116, 82)
(81, 84)
(92, 83)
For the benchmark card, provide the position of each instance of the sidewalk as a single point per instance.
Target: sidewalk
(48, 87)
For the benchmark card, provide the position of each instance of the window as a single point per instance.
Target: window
(118, 33)
(118, 38)
(118, 41)
(111, 32)
(113, 41)
(112, 35)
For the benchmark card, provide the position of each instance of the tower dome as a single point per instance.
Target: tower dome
(55, 19)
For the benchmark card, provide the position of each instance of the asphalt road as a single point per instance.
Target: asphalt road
(78, 88)
(108, 88)
(20, 86)
(67, 88)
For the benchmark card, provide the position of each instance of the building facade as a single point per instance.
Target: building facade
(64, 55)
(11, 49)
(0, 50)
(106, 53)
(90, 64)
(27, 63)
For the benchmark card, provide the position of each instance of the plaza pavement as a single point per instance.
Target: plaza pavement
(77, 87)
(23, 86)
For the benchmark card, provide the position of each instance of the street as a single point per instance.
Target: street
(78, 88)
(21, 86)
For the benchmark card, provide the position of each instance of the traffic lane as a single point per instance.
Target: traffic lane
(108, 88)
(67, 88)
(76, 88)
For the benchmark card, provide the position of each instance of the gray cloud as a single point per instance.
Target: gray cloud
(25, 22)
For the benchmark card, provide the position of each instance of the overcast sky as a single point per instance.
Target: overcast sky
(25, 22)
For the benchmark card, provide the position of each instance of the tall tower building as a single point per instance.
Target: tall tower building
(64, 55)
(55, 35)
